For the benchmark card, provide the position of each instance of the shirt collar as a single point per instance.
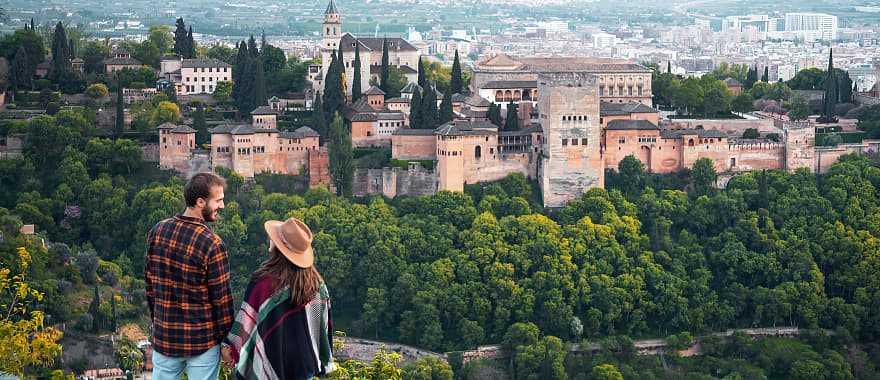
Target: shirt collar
(189, 219)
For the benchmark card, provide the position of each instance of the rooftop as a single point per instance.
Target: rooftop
(122, 61)
(505, 84)
(203, 62)
(504, 62)
(264, 110)
(347, 43)
(413, 132)
(621, 125)
(373, 90)
(299, 133)
(616, 109)
(461, 128)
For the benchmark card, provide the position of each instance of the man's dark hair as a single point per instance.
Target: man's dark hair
(199, 186)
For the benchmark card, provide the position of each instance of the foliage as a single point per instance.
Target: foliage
(166, 112)
(222, 91)
(798, 109)
(340, 152)
(128, 356)
(97, 91)
(24, 340)
(384, 366)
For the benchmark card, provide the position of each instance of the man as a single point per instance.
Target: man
(187, 278)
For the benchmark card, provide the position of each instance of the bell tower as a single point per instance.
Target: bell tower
(331, 28)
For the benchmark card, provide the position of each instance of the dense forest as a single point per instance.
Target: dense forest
(650, 256)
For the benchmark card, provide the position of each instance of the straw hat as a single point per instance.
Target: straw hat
(293, 238)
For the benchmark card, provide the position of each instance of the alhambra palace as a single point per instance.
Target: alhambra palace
(579, 117)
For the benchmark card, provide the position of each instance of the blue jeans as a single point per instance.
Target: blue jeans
(202, 367)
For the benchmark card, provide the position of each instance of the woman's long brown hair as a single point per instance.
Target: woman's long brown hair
(304, 283)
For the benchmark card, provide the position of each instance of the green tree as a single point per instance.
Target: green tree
(222, 53)
(318, 122)
(259, 95)
(703, 176)
(166, 112)
(495, 114)
(356, 90)
(181, 38)
(831, 95)
(20, 75)
(161, 37)
(446, 113)
(798, 109)
(542, 360)
(606, 372)
(429, 114)
(632, 175)
(456, 82)
(128, 356)
(429, 368)
(384, 70)
(807, 79)
(119, 123)
(340, 152)
(416, 121)
(334, 98)
(201, 127)
(766, 76)
(95, 312)
(751, 133)
(742, 103)
(511, 122)
(273, 58)
(421, 74)
(60, 73)
(97, 91)
(223, 91)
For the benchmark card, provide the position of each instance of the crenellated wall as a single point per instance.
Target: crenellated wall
(734, 127)
(392, 182)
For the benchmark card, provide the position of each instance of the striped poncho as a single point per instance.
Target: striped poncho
(274, 339)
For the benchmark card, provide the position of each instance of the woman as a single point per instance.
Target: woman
(283, 329)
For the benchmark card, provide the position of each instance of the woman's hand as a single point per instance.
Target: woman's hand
(226, 356)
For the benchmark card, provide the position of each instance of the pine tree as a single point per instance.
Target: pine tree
(421, 81)
(446, 106)
(415, 111)
(429, 107)
(511, 123)
(456, 81)
(830, 90)
(766, 76)
(384, 74)
(95, 311)
(356, 90)
(190, 44)
(60, 62)
(201, 127)
(120, 110)
(319, 123)
(181, 38)
(340, 152)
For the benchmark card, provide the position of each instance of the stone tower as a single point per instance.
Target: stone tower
(331, 28)
(572, 161)
(800, 146)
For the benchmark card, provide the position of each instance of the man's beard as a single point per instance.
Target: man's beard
(208, 215)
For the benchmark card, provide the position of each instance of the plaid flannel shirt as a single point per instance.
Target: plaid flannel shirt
(187, 279)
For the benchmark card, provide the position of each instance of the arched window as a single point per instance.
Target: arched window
(508, 96)
(691, 142)
(499, 96)
(477, 152)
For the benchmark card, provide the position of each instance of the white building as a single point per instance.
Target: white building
(863, 75)
(738, 23)
(603, 40)
(821, 25)
(195, 76)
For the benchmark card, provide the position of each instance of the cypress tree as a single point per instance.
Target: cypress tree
(252, 47)
(766, 76)
(339, 150)
(333, 97)
(511, 123)
(95, 311)
(456, 81)
(415, 110)
(60, 60)
(830, 90)
(669, 67)
(20, 75)
(384, 73)
(238, 73)
(120, 110)
(319, 124)
(356, 90)
(181, 38)
(429, 108)
(446, 106)
(421, 81)
(343, 78)
(71, 49)
(260, 96)
(495, 114)
(190, 44)
(201, 127)
(113, 317)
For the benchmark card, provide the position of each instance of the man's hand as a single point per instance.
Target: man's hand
(226, 356)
